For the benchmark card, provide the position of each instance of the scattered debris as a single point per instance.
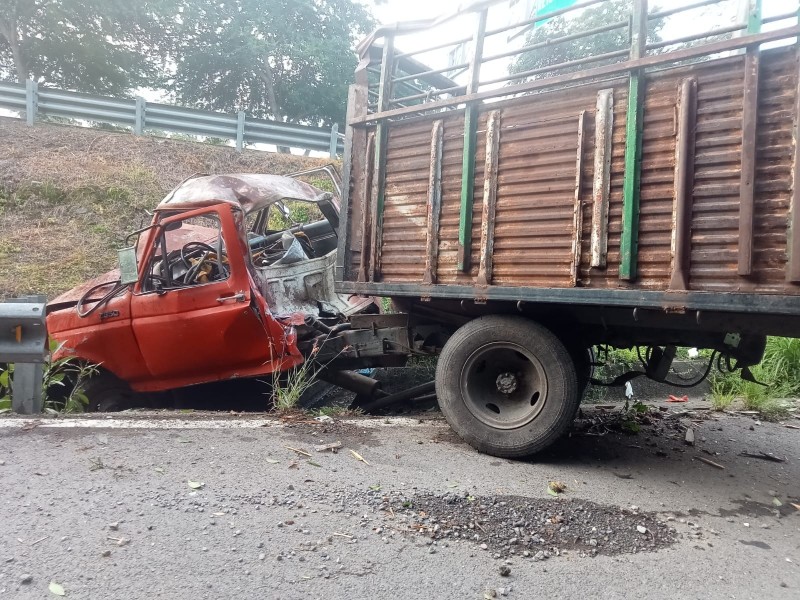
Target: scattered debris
(106, 553)
(195, 485)
(504, 570)
(272, 461)
(299, 451)
(114, 526)
(41, 539)
(676, 399)
(763, 456)
(777, 502)
(796, 506)
(359, 457)
(324, 419)
(333, 447)
(120, 541)
(710, 462)
(641, 529)
(26, 579)
(689, 438)
(787, 426)
(57, 589)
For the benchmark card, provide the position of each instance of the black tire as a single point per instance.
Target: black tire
(108, 393)
(507, 386)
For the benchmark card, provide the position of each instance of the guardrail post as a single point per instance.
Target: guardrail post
(334, 140)
(138, 119)
(240, 118)
(26, 388)
(31, 100)
(23, 341)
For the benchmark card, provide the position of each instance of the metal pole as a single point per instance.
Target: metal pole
(138, 120)
(26, 388)
(31, 100)
(240, 119)
(334, 140)
(468, 157)
(629, 242)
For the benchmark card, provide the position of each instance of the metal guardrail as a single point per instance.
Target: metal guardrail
(141, 115)
(23, 341)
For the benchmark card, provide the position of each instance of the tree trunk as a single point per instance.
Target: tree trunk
(8, 29)
(268, 77)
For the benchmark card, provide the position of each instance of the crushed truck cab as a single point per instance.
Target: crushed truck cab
(208, 292)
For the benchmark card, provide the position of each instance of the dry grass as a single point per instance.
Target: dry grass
(68, 196)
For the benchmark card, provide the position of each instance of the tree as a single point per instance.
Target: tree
(600, 43)
(94, 46)
(289, 60)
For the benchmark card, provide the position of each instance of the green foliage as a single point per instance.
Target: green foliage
(603, 14)
(62, 385)
(281, 59)
(780, 370)
(93, 46)
(299, 213)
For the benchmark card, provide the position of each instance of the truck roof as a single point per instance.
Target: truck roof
(250, 191)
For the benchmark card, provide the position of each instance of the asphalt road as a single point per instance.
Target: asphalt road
(267, 523)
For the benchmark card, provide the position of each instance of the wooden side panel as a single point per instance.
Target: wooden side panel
(539, 166)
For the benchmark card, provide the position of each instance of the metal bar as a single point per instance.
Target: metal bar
(240, 122)
(489, 198)
(698, 36)
(564, 65)
(755, 304)
(793, 241)
(463, 40)
(578, 209)
(31, 100)
(541, 17)
(353, 138)
(467, 188)
(601, 184)
(671, 11)
(381, 135)
(367, 209)
(596, 72)
(139, 116)
(26, 394)
(468, 157)
(429, 94)
(334, 140)
(434, 203)
(784, 17)
(629, 242)
(684, 184)
(558, 40)
(430, 72)
(752, 62)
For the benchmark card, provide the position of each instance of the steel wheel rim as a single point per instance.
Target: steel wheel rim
(503, 385)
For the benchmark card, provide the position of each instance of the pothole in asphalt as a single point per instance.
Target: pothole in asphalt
(537, 527)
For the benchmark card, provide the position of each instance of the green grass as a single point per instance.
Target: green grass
(779, 370)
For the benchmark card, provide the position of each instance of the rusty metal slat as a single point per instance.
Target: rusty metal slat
(378, 197)
(684, 180)
(578, 209)
(748, 165)
(434, 202)
(793, 235)
(353, 139)
(489, 198)
(366, 214)
(601, 184)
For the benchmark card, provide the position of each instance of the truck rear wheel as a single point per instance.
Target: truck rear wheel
(507, 385)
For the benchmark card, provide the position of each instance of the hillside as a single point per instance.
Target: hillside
(68, 196)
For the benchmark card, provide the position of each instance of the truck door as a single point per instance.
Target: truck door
(193, 312)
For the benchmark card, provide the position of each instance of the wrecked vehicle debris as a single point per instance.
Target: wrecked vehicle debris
(208, 292)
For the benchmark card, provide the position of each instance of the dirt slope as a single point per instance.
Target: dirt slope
(68, 196)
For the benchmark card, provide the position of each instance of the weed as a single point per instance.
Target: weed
(337, 412)
(779, 370)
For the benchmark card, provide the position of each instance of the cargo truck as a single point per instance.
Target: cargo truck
(642, 197)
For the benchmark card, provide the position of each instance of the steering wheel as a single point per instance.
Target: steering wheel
(191, 244)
